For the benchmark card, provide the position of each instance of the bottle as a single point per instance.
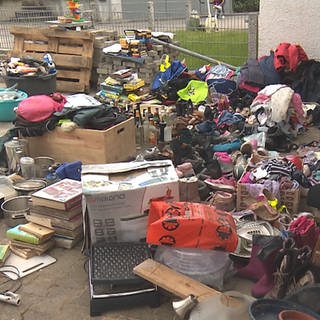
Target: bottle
(168, 128)
(139, 130)
(27, 167)
(156, 117)
(152, 133)
(150, 115)
(167, 133)
(162, 126)
(145, 126)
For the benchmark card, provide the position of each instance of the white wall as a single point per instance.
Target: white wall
(290, 21)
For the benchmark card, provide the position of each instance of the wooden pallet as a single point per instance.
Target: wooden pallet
(71, 51)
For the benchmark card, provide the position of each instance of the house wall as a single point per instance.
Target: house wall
(290, 21)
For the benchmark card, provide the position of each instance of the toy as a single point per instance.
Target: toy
(51, 66)
(74, 8)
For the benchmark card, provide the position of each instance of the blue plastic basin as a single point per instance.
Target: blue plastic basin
(6, 106)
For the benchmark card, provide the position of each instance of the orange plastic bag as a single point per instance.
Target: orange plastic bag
(191, 225)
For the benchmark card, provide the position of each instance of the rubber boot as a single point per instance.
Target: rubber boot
(263, 253)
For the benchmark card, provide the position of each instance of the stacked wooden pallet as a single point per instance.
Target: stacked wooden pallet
(71, 51)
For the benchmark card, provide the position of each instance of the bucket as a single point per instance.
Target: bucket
(15, 209)
(43, 84)
(7, 106)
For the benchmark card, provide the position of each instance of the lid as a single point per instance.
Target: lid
(26, 160)
(30, 185)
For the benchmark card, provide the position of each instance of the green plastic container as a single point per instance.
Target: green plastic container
(6, 106)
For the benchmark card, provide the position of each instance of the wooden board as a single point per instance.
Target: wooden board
(181, 285)
(172, 281)
(71, 51)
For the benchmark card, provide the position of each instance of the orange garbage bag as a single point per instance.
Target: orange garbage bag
(191, 225)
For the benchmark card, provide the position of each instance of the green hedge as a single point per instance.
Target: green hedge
(245, 5)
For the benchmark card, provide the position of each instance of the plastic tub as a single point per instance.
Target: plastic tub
(43, 84)
(6, 106)
(207, 266)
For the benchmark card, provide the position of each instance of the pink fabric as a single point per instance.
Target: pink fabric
(40, 107)
(246, 178)
(298, 108)
(304, 231)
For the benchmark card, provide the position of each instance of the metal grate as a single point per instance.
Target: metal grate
(113, 262)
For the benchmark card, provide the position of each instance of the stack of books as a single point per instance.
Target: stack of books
(59, 207)
(4, 253)
(28, 240)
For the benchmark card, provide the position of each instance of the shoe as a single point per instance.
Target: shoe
(227, 147)
(206, 127)
(246, 148)
(222, 200)
(225, 162)
(222, 184)
(261, 263)
(285, 264)
(240, 165)
(264, 207)
(186, 168)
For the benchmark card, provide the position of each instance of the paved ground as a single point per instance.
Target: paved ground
(60, 291)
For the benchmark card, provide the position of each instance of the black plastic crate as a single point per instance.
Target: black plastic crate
(113, 262)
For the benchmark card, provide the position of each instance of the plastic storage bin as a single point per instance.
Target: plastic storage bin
(43, 84)
(7, 106)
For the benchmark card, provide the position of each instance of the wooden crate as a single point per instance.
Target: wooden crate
(71, 51)
(89, 146)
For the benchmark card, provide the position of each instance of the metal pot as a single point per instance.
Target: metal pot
(42, 165)
(15, 209)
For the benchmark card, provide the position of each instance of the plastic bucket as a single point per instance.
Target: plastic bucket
(43, 84)
(7, 106)
(15, 210)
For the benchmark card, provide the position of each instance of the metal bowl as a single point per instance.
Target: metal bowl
(15, 209)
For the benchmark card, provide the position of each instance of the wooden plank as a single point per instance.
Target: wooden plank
(27, 31)
(64, 60)
(172, 281)
(87, 49)
(32, 46)
(69, 74)
(47, 32)
(70, 50)
(17, 46)
(53, 45)
(70, 86)
(68, 34)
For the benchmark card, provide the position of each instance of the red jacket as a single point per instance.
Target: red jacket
(288, 56)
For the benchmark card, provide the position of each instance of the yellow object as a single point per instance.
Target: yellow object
(134, 85)
(165, 63)
(273, 203)
(133, 97)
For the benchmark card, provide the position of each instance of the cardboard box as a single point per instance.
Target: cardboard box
(290, 198)
(115, 144)
(117, 197)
